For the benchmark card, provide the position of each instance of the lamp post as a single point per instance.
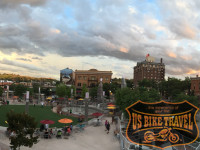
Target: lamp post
(86, 106)
(27, 102)
(39, 95)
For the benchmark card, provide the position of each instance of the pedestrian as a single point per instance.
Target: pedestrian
(108, 127)
(46, 126)
(106, 122)
(71, 126)
(113, 119)
(42, 103)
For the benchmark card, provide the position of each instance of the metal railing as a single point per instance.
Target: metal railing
(125, 144)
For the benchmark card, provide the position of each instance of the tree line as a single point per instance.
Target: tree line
(172, 89)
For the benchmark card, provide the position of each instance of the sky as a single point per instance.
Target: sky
(41, 37)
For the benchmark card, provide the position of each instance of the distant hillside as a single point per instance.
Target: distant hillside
(19, 78)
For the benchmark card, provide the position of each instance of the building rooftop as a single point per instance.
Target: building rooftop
(92, 71)
(147, 62)
(66, 71)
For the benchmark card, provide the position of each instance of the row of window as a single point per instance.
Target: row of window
(91, 84)
(153, 66)
(195, 86)
(153, 78)
(91, 78)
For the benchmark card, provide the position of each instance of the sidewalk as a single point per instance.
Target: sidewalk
(92, 138)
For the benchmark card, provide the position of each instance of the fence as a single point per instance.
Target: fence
(125, 144)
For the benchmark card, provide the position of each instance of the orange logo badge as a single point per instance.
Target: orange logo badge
(162, 124)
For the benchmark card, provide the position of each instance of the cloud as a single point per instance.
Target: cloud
(171, 54)
(115, 28)
(21, 65)
(24, 59)
(12, 3)
(182, 28)
(37, 58)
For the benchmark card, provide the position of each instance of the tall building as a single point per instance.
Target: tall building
(90, 78)
(195, 85)
(67, 76)
(149, 69)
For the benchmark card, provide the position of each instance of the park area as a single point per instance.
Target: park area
(38, 112)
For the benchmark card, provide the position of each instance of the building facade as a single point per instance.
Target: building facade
(149, 69)
(90, 78)
(195, 85)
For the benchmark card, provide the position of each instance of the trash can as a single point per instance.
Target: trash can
(7, 102)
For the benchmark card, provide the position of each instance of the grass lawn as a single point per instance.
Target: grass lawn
(38, 112)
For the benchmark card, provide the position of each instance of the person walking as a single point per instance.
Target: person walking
(106, 122)
(108, 127)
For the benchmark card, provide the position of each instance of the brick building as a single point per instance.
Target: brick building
(195, 85)
(149, 69)
(90, 78)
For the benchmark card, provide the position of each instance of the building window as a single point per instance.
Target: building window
(79, 84)
(79, 77)
(92, 85)
(106, 79)
(93, 78)
(85, 77)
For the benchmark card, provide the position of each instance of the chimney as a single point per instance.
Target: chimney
(161, 60)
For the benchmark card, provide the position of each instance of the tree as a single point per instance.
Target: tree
(182, 96)
(129, 83)
(24, 126)
(20, 89)
(1, 91)
(84, 90)
(36, 87)
(126, 96)
(68, 93)
(93, 92)
(61, 90)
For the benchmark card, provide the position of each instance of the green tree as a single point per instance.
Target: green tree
(106, 88)
(36, 87)
(148, 84)
(93, 92)
(1, 91)
(182, 96)
(24, 126)
(126, 96)
(84, 90)
(61, 90)
(19, 90)
(129, 83)
(68, 93)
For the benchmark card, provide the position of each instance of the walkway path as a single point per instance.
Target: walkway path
(92, 138)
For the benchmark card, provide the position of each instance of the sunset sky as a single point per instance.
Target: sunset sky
(40, 37)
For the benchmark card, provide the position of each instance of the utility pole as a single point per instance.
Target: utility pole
(86, 106)
(27, 102)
